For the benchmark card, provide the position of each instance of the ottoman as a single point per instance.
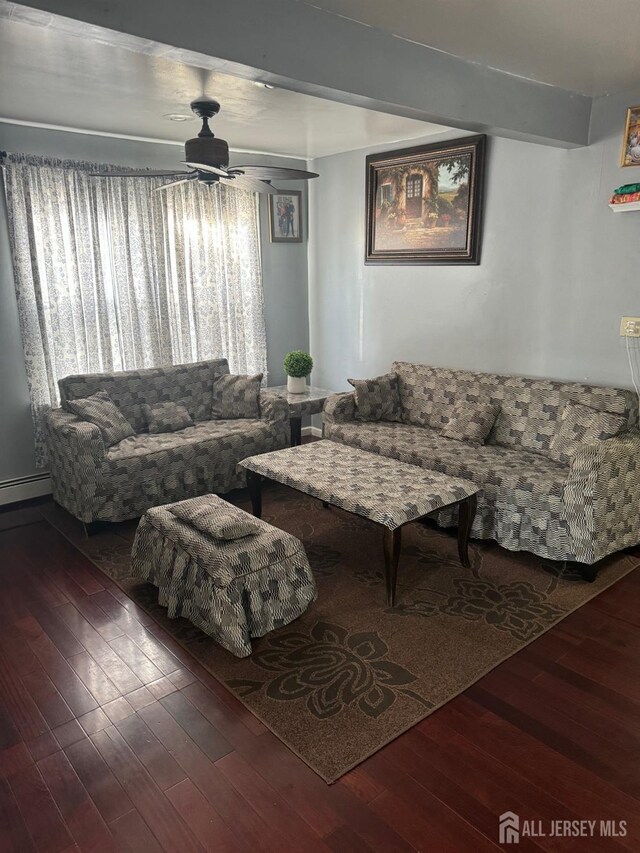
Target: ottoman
(231, 588)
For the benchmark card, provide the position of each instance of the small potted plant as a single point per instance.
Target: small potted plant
(297, 366)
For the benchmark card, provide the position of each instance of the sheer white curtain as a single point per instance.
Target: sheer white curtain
(113, 276)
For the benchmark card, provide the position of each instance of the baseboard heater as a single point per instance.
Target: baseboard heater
(23, 488)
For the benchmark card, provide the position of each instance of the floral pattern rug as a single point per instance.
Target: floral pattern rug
(351, 674)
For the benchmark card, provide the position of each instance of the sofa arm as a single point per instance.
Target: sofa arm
(76, 451)
(339, 408)
(272, 408)
(602, 497)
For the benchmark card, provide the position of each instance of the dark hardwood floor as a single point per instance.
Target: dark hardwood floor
(113, 738)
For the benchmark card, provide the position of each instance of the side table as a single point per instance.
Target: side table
(311, 402)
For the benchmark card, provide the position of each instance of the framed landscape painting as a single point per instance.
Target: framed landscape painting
(285, 217)
(424, 204)
(631, 142)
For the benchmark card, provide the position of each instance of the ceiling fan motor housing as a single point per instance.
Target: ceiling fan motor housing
(208, 150)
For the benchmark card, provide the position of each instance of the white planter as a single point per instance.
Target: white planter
(296, 384)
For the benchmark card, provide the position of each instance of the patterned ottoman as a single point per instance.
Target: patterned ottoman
(231, 588)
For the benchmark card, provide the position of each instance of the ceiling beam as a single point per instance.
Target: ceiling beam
(305, 49)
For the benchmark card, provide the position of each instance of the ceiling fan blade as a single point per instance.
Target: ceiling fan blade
(202, 167)
(251, 185)
(173, 184)
(275, 173)
(139, 173)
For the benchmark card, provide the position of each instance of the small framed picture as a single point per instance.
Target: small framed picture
(285, 217)
(631, 142)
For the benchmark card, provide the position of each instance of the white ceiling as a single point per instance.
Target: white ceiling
(62, 79)
(587, 46)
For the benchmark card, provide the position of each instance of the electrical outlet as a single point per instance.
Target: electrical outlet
(630, 327)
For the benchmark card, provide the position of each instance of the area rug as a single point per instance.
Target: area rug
(352, 674)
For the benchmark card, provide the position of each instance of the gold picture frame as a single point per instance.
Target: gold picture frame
(630, 155)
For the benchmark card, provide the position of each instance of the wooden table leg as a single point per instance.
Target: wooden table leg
(295, 422)
(467, 513)
(254, 484)
(391, 543)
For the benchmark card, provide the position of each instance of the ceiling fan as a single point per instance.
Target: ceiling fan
(208, 159)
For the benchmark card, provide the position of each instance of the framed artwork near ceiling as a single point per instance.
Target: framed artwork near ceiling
(631, 141)
(285, 217)
(424, 204)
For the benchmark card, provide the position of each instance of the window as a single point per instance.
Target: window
(113, 276)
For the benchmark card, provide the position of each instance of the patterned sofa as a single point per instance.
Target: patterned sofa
(146, 470)
(578, 512)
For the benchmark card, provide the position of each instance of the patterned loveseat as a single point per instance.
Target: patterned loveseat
(580, 512)
(112, 484)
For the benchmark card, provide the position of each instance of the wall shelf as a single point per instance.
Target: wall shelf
(622, 208)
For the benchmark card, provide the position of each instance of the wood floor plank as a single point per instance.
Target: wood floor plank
(94, 678)
(14, 760)
(82, 818)
(581, 790)
(135, 659)
(70, 687)
(232, 807)
(497, 786)
(40, 813)
(305, 791)
(167, 826)
(104, 789)
(206, 824)
(133, 834)
(159, 763)
(271, 807)
(24, 712)
(344, 840)
(46, 696)
(22, 659)
(107, 659)
(14, 835)
(199, 729)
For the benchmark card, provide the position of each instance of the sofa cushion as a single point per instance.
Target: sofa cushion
(530, 409)
(377, 399)
(236, 396)
(517, 476)
(145, 444)
(99, 409)
(217, 518)
(167, 417)
(131, 390)
(582, 425)
(470, 422)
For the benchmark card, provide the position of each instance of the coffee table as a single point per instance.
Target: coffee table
(385, 491)
(310, 402)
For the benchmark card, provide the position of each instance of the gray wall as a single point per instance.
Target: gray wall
(284, 278)
(558, 270)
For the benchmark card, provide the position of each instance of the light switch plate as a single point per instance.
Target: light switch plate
(630, 327)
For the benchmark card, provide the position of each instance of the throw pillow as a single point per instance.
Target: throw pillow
(582, 425)
(471, 422)
(378, 399)
(236, 397)
(167, 417)
(219, 523)
(99, 409)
